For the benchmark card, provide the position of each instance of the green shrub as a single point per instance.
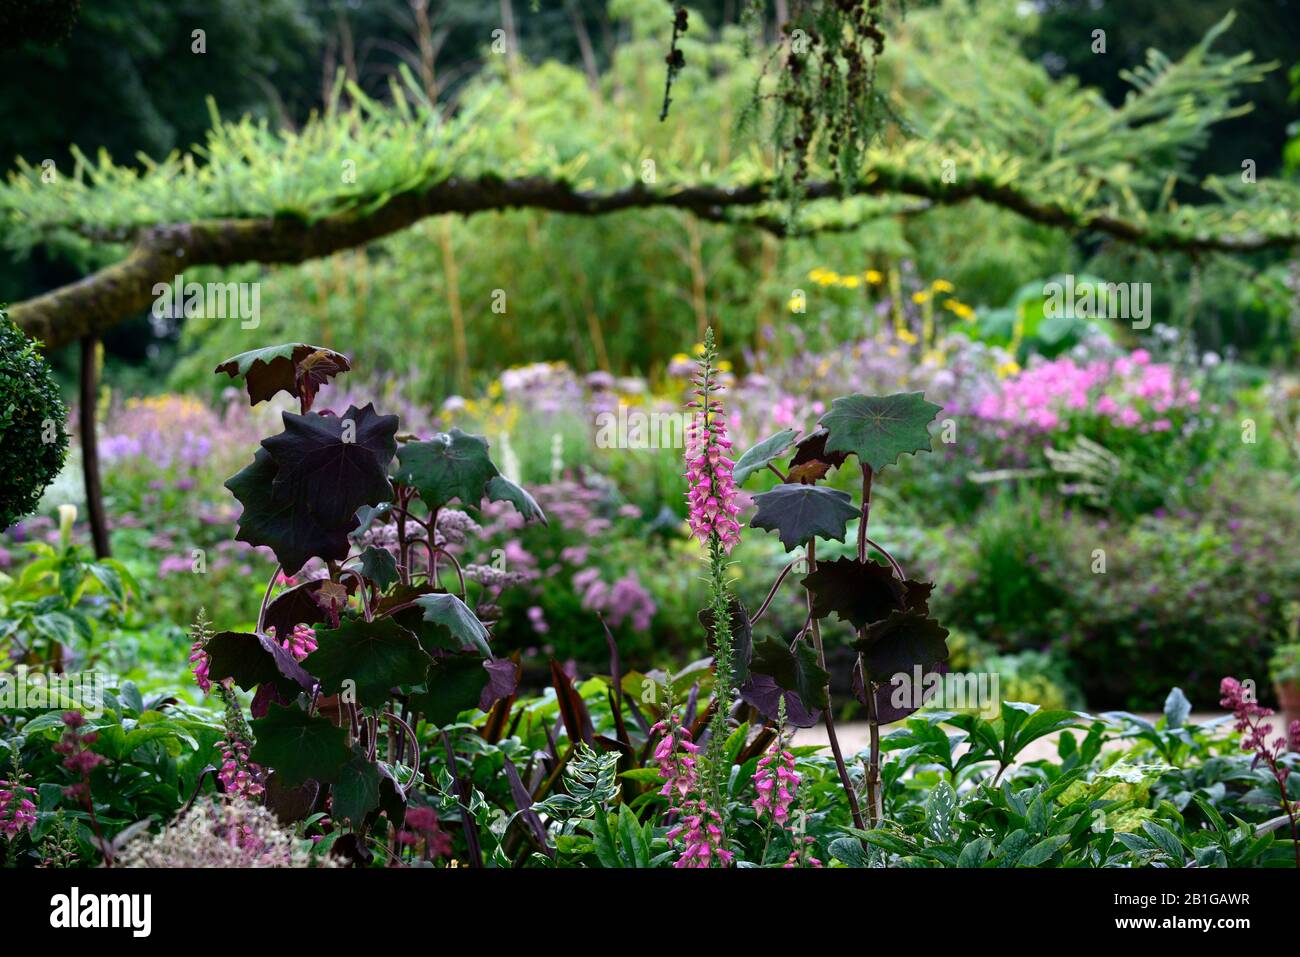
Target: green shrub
(33, 441)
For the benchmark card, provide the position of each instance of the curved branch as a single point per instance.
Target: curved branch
(126, 288)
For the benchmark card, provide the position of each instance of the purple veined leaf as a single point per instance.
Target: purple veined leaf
(290, 804)
(573, 710)
(812, 449)
(294, 367)
(742, 637)
(763, 693)
(862, 592)
(503, 679)
(794, 669)
(902, 640)
(895, 699)
(336, 464)
(800, 512)
(286, 526)
(301, 605)
(523, 801)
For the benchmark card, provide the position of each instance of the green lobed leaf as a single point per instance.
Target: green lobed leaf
(357, 792)
(501, 489)
(878, 429)
(377, 656)
(452, 613)
(762, 455)
(298, 746)
(379, 565)
(451, 465)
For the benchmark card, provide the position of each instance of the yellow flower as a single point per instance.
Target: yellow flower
(920, 296)
(699, 349)
(494, 390)
(824, 277)
(849, 282)
(874, 277)
(941, 285)
(908, 336)
(796, 304)
(681, 357)
(1008, 369)
(724, 365)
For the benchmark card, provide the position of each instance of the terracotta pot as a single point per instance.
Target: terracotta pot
(1288, 696)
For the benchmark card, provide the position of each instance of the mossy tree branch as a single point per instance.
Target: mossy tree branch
(123, 289)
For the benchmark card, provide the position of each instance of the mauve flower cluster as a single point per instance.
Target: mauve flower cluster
(578, 510)
(237, 774)
(74, 745)
(422, 832)
(17, 810)
(776, 782)
(699, 827)
(711, 492)
(1129, 392)
(625, 600)
(1248, 713)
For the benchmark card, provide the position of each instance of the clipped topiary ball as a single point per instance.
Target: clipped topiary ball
(33, 440)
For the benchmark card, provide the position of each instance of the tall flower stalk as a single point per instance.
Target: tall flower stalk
(711, 496)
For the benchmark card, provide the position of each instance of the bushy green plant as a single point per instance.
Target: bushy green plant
(33, 440)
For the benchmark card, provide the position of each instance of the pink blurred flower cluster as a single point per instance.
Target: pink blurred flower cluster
(1129, 392)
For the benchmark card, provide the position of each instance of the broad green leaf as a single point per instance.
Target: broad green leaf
(975, 853)
(878, 429)
(800, 512)
(454, 684)
(452, 613)
(501, 489)
(1165, 839)
(763, 454)
(299, 746)
(1177, 708)
(357, 792)
(376, 656)
(379, 565)
(1043, 851)
(451, 465)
